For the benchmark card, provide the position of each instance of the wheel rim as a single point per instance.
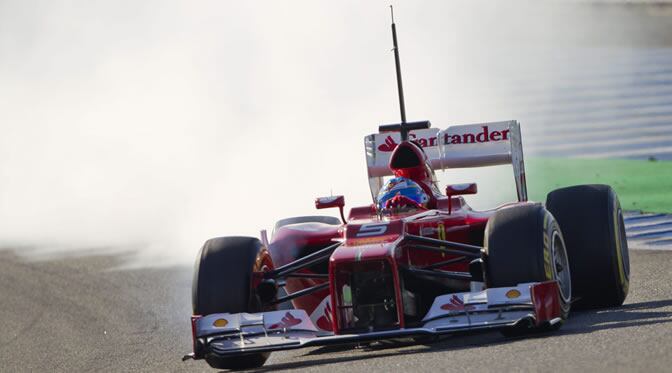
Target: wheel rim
(561, 267)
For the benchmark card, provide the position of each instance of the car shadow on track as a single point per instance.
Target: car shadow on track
(629, 315)
(626, 316)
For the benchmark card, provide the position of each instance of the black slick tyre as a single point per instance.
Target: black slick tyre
(524, 244)
(223, 283)
(591, 219)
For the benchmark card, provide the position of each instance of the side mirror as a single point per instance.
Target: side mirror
(457, 190)
(461, 189)
(329, 202)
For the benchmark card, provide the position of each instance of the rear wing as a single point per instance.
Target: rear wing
(471, 145)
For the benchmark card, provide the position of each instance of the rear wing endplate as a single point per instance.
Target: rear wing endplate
(471, 145)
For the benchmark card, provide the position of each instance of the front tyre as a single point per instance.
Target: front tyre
(223, 284)
(523, 244)
(592, 221)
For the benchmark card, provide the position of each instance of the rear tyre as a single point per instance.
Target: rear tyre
(592, 221)
(524, 244)
(223, 283)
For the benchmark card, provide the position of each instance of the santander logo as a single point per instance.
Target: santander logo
(485, 135)
(471, 138)
(389, 144)
(324, 322)
(322, 316)
(456, 304)
(287, 322)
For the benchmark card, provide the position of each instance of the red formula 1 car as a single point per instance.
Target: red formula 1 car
(416, 262)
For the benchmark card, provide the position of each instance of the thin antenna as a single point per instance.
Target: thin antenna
(400, 88)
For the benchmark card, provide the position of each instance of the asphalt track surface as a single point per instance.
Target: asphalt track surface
(82, 313)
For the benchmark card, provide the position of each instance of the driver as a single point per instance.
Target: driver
(401, 193)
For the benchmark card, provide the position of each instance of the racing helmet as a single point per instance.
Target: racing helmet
(402, 192)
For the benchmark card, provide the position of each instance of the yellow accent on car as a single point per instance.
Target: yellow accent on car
(548, 269)
(442, 231)
(512, 294)
(619, 252)
(548, 259)
(220, 323)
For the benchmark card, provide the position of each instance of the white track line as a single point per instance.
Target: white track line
(591, 133)
(648, 231)
(625, 153)
(643, 140)
(555, 126)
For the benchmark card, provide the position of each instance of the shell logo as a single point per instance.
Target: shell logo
(220, 323)
(512, 294)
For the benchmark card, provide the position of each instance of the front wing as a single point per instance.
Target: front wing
(226, 334)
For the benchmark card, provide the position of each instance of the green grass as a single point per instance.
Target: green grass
(641, 185)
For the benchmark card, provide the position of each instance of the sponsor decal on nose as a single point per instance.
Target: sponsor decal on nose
(512, 294)
(220, 323)
(456, 304)
(287, 322)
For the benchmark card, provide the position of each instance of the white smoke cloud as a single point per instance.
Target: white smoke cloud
(156, 125)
